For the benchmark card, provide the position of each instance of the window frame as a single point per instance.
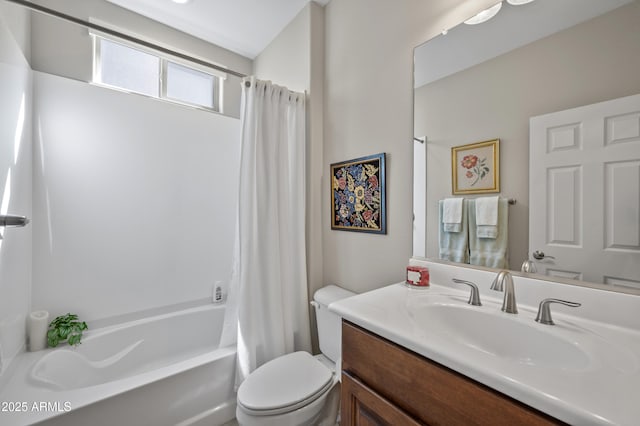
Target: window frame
(164, 65)
(164, 59)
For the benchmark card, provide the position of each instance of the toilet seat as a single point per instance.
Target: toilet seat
(284, 384)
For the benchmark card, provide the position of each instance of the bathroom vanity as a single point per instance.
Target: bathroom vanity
(428, 357)
(383, 383)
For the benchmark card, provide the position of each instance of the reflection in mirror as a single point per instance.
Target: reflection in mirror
(530, 76)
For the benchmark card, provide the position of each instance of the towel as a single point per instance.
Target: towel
(454, 246)
(490, 252)
(452, 214)
(487, 217)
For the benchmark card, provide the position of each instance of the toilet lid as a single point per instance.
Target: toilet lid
(284, 382)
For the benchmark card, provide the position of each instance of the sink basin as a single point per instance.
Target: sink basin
(502, 335)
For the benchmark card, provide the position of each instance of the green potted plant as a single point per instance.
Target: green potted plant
(65, 327)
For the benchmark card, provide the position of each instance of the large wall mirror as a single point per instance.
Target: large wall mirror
(558, 83)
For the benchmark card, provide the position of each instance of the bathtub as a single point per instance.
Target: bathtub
(161, 370)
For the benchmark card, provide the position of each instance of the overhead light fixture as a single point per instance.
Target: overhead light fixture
(485, 15)
(181, 1)
(518, 2)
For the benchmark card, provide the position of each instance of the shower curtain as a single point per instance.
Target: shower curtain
(267, 306)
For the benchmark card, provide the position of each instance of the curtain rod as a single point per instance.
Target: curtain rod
(123, 36)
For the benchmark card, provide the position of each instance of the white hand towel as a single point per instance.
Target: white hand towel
(454, 246)
(487, 217)
(452, 214)
(487, 231)
(487, 211)
(490, 252)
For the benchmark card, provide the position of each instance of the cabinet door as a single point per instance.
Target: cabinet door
(361, 406)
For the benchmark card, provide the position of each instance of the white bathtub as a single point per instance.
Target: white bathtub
(162, 370)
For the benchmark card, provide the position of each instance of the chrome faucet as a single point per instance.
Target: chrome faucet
(528, 266)
(504, 282)
(474, 297)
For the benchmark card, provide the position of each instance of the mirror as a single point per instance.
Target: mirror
(481, 82)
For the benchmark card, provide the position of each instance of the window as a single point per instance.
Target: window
(124, 66)
(185, 84)
(127, 68)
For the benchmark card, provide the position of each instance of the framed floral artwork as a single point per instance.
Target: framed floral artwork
(358, 201)
(475, 168)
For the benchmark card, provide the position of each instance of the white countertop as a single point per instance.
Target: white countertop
(603, 389)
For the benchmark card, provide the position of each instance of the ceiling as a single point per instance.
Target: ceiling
(514, 26)
(242, 26)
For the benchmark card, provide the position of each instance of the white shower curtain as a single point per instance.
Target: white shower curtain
(267, 306)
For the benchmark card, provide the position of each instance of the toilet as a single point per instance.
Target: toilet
(299, 389)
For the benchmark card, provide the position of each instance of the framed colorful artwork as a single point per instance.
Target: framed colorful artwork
(475, 168)
(358, 201)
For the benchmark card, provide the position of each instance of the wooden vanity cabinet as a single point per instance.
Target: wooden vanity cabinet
(386, 384)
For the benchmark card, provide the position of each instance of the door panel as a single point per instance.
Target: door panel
(585, 192)
(361, 406)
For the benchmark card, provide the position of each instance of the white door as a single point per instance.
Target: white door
(584, 192)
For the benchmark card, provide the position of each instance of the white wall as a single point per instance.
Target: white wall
(18, 20)
(591, 62)
(286, 60)
(134, 200)
(65, 49)
(368, 109)
(15, 187)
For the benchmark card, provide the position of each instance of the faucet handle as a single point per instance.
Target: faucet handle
(544, 312)
(474, 297)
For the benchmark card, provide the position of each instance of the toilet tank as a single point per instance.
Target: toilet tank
(329, 324)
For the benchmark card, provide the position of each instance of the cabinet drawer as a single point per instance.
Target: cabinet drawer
(426, 390)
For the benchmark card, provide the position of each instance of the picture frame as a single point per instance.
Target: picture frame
(475, 168)
(358, 195)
